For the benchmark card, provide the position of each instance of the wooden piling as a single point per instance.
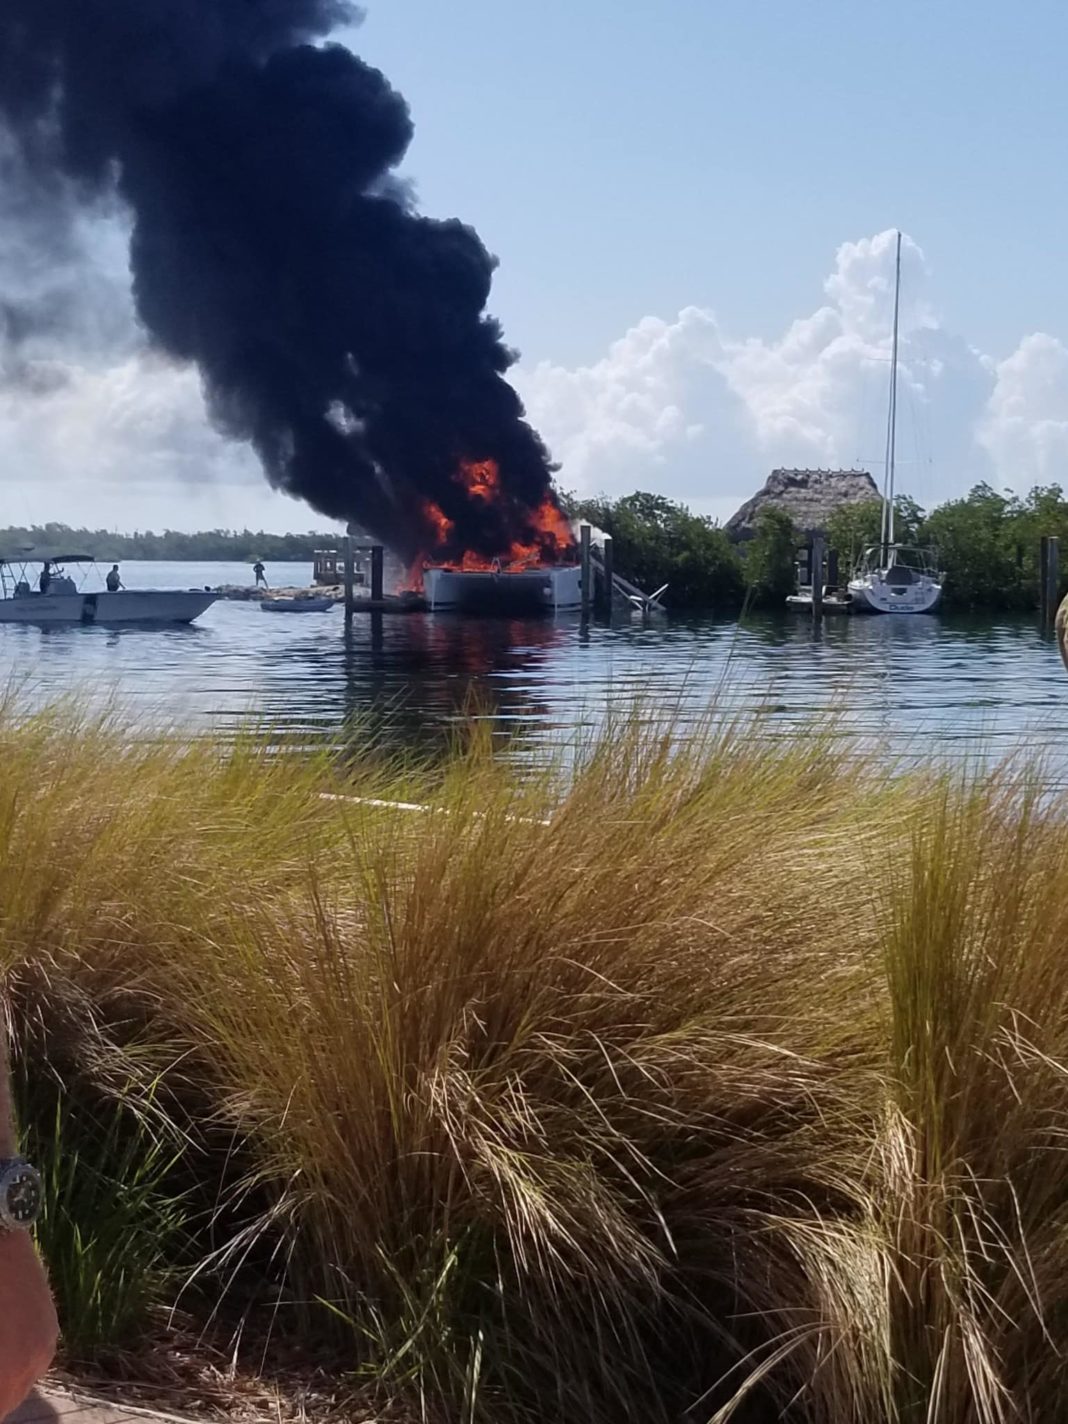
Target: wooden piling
(586, 568)
(832, 567)
(350, 578)
(1045, 613)
(378, 565)
(1053, 577)
(607, 560)
(817, 578)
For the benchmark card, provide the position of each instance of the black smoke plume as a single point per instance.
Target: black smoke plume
(335, 328)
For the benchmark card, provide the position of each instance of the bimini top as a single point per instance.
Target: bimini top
(30, 555)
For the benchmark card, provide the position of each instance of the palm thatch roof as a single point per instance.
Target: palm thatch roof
(809, 497)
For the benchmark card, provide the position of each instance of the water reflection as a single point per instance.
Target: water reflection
(410, 678)
(907, 685)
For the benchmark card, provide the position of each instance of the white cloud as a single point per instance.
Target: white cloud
(128, 446)
(693, 410)
(625, 412)
(94, 429)
(809, 394)
(1025, 427)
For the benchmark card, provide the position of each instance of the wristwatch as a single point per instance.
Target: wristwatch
(21, 1194)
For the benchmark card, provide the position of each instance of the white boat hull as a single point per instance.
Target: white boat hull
(524, 590)
(874, 594)
(108, 609)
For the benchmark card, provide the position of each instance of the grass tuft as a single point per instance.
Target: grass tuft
(692, 1078)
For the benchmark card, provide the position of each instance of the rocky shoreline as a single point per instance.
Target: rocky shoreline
(241, 593)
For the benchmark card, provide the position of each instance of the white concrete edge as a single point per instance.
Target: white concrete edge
(419, 808)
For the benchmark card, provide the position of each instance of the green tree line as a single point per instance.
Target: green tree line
(229, 545)
(986, 544)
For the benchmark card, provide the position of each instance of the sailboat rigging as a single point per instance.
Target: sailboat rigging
(894, 578)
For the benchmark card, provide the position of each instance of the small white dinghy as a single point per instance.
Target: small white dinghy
(297, 605)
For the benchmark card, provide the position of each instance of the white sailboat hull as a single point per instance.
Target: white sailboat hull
(875, 594)
(109, 609)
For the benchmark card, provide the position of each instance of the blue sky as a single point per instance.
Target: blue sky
(626, 158)
(693, 205)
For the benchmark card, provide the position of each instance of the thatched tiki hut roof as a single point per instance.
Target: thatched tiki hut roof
(809, 497)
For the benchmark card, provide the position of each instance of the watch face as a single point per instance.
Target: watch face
(23, 1194)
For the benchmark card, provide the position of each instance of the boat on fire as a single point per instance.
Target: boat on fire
(26, 596)
(503, 588)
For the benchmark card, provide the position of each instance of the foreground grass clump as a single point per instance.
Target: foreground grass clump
(719, 1080)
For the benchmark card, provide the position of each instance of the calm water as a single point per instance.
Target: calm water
(909, 685)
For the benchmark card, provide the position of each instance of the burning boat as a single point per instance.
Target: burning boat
(535, 571)
(504, 590)
(336, 329)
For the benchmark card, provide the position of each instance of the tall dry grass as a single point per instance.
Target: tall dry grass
(714, 1079)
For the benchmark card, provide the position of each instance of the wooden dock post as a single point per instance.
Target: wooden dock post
(832, 567)
(350, 578)
(378, 564)
(817, 577)
(1044, 611)
(1053, 577)
(587, 568)
(608, 563)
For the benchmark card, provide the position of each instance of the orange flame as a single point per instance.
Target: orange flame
(481, 479)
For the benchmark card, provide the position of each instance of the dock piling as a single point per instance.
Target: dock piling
(608, 564)
(817, 578)
(587, 568)
(378, 564)
(350, 578)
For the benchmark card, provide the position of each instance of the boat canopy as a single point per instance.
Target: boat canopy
(42, 556)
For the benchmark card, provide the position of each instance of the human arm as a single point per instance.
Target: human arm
(28, 1328)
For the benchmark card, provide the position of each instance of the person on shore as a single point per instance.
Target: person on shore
(44, 583)
(261, 574)
(28, 1326)
(114, 582)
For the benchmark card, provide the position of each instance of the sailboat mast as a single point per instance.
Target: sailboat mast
(891, 421)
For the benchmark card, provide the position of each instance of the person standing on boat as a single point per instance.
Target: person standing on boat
(45, 581)
(114, 582)
(261, 574)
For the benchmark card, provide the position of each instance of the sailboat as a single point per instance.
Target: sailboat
(894, 578)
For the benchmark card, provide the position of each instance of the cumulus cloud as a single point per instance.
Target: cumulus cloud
(95, 428)
(625, 412)
(701, 413)
(809, 394)
(126, 444)
(1025, 426)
